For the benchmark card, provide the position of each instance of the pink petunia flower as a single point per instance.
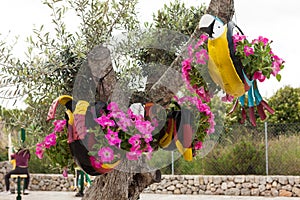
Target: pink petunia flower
(261, 39)
(59, 125)
(203, 94)
(39, 150)
(105, 121)
(50, 140)
(144, 127)
(198, 145)
(238, 38)
(149, 151)
(135, 140)
(113, 106)
(203, 38)
(248, 50)
(112, 137)
(124, 122)
(259, 76)
(147, 137)
(227, 98)
(275, 68)
(202, 57)
(65, 172)
(106, 154)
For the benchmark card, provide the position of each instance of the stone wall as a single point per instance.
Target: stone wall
(249, 185)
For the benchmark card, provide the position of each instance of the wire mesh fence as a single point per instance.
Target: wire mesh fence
(268, 149)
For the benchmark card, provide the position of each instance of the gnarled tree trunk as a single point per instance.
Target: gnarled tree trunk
(124, 184)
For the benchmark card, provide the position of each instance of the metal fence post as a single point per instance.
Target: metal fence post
(266, 144)
(172, 163)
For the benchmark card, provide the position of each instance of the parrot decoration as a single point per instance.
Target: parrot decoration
(178, 131)
(79, 139)
(227, 71)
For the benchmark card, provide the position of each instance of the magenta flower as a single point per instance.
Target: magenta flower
(135, 141)
(124, 122)
(248, 50)
(133, 116)
(149, 151)
(277, 59)
(39, 150)
(59, 125)
(198, 145)
(275, 68)
(261, 39)
(144, 127)
(112, 137)
(202, 107)
(186, 68)
(238, 38)
(50, 140)
(113, 106)
(106, 154)
(259, 76)
(203, 94)
(202, 57)
(133, 155)
(203, 38)
(105, 121)
(227, 98)
(147, 137)
(65, 172)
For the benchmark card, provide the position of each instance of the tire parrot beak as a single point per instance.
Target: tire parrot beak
(207, 23)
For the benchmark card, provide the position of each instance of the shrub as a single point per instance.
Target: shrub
(243, 157)
(284, 155)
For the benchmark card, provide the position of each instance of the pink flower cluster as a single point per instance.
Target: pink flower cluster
(117, 123)
(188, 64)
(262, 44)
(203, 108)
(50, 140)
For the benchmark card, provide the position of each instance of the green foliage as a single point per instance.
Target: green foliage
(285, 102)
(46, 166)
(3, 154)
(176, 17)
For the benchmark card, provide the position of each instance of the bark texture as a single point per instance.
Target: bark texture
(122, 184)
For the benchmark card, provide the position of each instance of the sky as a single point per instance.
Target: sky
(274, 19)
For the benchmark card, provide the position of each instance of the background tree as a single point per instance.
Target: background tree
(286, 103)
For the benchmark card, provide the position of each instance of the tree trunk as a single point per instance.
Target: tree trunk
(124, 183)
(127, 185)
